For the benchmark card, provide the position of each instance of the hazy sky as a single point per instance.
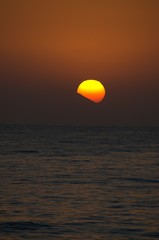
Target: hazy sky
(47, 48)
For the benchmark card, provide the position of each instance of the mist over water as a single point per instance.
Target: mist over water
(79, 183)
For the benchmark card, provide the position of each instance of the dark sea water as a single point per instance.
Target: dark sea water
(79, 183)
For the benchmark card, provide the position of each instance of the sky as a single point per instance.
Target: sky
(47, 48)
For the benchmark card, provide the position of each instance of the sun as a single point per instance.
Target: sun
(92, 90)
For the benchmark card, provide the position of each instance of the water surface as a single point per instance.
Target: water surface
(79, 183)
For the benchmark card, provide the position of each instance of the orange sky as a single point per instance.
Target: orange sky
(48, 47)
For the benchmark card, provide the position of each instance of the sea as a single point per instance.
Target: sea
(79, 183)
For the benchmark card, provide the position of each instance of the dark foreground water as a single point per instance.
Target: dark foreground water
(79, 183)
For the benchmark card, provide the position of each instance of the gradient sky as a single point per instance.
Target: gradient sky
(48, 48)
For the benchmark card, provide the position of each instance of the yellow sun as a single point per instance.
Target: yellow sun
(92, 90)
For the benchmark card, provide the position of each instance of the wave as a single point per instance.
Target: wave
(22, 226)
